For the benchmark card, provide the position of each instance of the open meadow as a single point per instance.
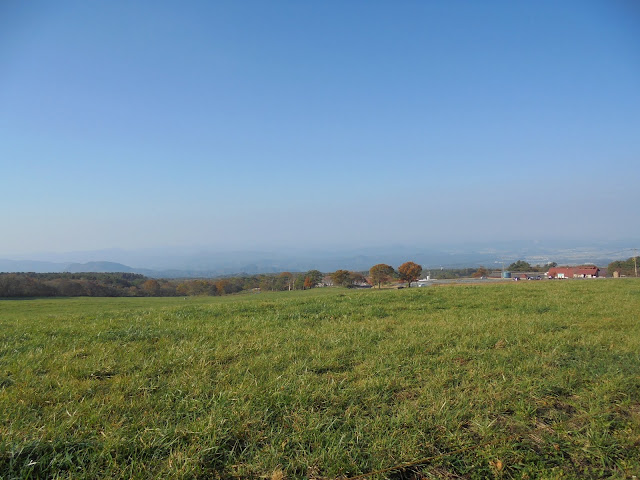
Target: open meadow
(513, 380)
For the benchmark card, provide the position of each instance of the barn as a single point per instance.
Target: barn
(584, 271)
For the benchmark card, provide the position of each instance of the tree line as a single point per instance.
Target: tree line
(378, 275)
(136, 285)
(628, 267)
(522, 266)
(13, 285)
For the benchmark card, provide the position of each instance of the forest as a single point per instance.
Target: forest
(13, 285)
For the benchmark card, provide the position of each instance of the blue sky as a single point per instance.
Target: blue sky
(270, 124)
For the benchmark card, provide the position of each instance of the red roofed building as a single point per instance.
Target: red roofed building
(584, 271)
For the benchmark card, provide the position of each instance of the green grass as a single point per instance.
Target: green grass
(532, 380)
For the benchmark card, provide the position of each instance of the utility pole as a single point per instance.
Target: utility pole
(635, 260)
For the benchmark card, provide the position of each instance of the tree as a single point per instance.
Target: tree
(285, 279)
(381, 273)
(481, 272)
(341, 278)
(151, 287)
(308, 283)
(357, 278)
(224, 287)
(409, 272)
(182, 289)
(520, 266)
(626, 267)
(315, 276)
(267, 283)
(345, 278)
(299, 282)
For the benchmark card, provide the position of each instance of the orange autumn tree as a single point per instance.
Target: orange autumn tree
(341, 278)
(481, 272)
(381, 273)
(409, 272)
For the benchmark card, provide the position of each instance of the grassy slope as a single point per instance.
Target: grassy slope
(325, 383)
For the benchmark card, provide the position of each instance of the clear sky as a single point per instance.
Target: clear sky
(259, 124)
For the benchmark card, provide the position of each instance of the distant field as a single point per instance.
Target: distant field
(518, 380)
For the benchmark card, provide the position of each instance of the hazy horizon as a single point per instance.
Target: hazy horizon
(205, 261)
(461, 244)
(259, 126)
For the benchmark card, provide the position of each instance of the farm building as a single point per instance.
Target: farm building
(584, 271)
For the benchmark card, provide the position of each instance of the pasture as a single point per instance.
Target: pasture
(529, 380)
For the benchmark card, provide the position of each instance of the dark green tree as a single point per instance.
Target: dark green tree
(520, 266)
(624, 267)
(298, 283)
(315, 277)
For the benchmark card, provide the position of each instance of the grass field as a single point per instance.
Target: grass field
(529, 380)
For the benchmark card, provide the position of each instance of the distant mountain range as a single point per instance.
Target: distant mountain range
(202, 262)
(99, 267)
(46, 267)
